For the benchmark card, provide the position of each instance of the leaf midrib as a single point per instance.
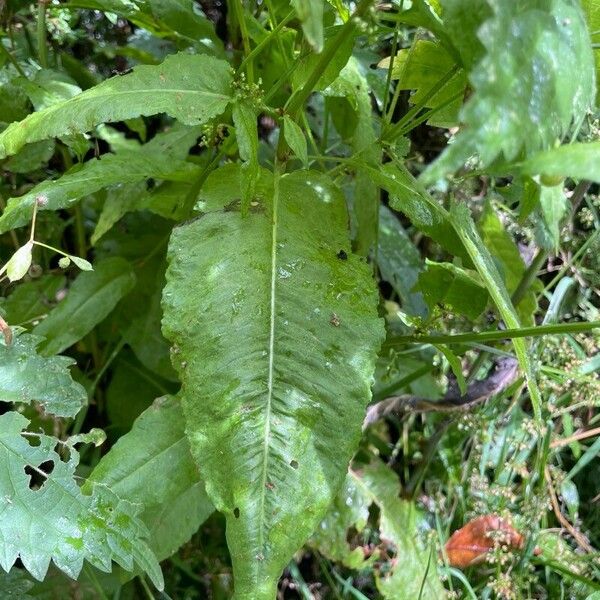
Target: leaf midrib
(271, 351)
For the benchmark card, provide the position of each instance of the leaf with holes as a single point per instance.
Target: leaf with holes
(56, 521)
(25, 376)
(275, 394)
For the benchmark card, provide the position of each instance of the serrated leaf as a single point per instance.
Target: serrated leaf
(191, 89)
(175, 505)
(579, 161)
(402, 524)
(310, 13)
(535, 79)
(448, 284)
(19, 263)
(162, 158)
(272, 443)
(57, 521)
(295, 139)
(25, 376)
(90, 299)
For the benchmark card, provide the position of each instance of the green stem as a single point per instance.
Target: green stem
(529, 276)
(12, 59)
(428, 114)
(41, 34)
(388, 79)
(299, 97)
(239, 10)
(489, 336)
(265, 41)
(393, 132)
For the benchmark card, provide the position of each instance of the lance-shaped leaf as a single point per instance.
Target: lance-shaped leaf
(152, 466)
(191, 89)
(161, 158)
(90, 299)
(57, 521)
(25, 376)
(275, 333)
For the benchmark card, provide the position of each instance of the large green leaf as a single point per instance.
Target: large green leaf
(275, 334)
(161, 158)
(192, 89)
(57, 521)
(26, 376)
(90, 299)
(152, 466)
(535, 79)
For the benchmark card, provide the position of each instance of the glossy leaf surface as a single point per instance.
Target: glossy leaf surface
(275, 394)
(533, 76)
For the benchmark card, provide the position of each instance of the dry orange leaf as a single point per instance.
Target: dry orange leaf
(470, 544)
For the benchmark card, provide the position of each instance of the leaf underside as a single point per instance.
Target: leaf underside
(275, 336)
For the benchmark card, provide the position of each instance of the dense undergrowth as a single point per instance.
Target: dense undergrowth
(229, 229)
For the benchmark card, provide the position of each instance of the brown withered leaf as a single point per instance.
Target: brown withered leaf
(470, 544)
